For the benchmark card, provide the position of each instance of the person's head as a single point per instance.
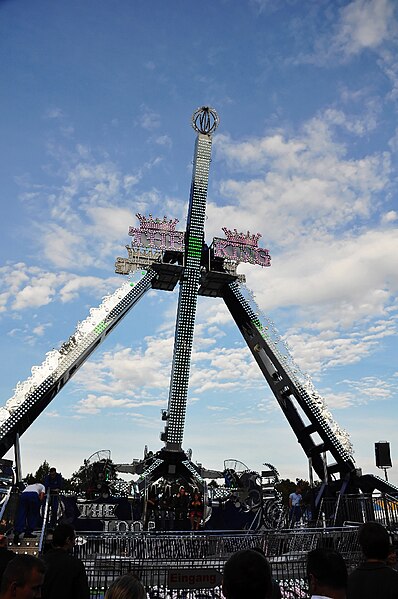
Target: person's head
(126, 587)
(53, 472)
(23, 578)
(374, 541)
(392, 557)
(326, 571)
(3, 540)
(182, 491)
(64, 536)
(247, 573)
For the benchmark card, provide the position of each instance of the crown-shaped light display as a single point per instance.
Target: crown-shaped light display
(156, 224)
(242, 238)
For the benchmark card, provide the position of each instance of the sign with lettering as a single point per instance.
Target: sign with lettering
(241, 247)
(205, 578)
(158, 234)
(97, 510)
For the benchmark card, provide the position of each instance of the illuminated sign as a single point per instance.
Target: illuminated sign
(97, 510)
(157, 234)
(241, 247)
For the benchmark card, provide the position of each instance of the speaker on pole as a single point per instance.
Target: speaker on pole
(382, 453)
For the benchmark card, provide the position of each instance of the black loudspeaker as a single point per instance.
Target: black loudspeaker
(382, 453)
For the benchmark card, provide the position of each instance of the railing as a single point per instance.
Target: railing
(151, 556)
(359, 509)
(44, 526)
(4, 502)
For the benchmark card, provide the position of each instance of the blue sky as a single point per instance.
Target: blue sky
(96, 100)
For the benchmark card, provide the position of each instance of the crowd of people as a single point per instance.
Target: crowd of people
(181, 511)
(247, 573)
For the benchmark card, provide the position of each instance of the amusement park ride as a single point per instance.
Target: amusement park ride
(169, 257)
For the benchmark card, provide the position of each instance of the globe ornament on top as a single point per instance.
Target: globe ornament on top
(205, 120)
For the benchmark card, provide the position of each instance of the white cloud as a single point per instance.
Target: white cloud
(389, 217)
(260, 5)
(371, 388)
(315, 353)
(360, 25)
(55, 113)
(32, 296)
(40, 329)
(164, 140)
(52, 414)
(388, 63)
(359, 124)
(340, 401)
(134, 373)
(129, 181)
(149, 119)
(364, 24)
(76, 284)
(140, 377)
(302, 185)
(85, 219)
(316, 208)
(93, 404)
(63, 248)
(25, 287)
(339, 282)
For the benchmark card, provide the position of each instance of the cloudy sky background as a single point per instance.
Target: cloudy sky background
(96, 100)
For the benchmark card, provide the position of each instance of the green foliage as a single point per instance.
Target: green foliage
(214, 484)
(92, 475)
(42, 471)
(287, 486)
(39, 475)
(82, 479)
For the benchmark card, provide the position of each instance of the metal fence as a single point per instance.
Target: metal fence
(363, 508)
(153, 556)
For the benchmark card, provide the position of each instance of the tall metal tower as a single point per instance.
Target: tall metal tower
(205, 121)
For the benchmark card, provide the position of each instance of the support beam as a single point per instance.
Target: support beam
(289, 393)
(23, 409)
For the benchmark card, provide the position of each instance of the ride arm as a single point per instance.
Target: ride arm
(300, 409)
(34, 395)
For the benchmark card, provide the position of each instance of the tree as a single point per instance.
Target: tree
(39, 475)
(287, 486)
(94, 478)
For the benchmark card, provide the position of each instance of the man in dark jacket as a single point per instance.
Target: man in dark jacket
(373, 578)
(54, 482)
(181, 501)
(327, 574)
(23, 578)
(247, 573)
(65, 576)
(6, 555)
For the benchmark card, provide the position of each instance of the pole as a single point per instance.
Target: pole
(18, 465)
(205, 121)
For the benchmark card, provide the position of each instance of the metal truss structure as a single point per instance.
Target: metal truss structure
(169, 257)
